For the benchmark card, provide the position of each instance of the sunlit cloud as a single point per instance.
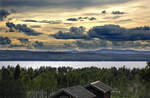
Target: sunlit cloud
(50, 17)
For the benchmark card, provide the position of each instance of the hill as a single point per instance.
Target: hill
(99, 55)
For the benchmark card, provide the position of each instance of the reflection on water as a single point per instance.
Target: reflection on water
(74, 64)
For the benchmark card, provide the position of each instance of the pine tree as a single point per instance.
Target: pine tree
(17, 72)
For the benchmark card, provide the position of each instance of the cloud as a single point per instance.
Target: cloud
(86, 18)
(13, 10)
(125, 20)
(59, 3)
(91, 44)
(23, 40)
(92, 18)
(44, 21)
(22, 28)
(106, 32)
(76, 30)
(117, 33)
(104, 44)
(59, 28)
(38, 44)
(35, 26)
(50, 22)
(74, 33)
(112, 17)
(72, 19)
(104, 12)
(3, 14)
(4, 40)
(142, 28)
(30, 21)
(15, 46)
(55, 22)
(116, 17)
(117, 12)
(91, 14)
(81, 19)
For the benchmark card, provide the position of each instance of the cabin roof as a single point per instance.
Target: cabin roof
(76, 92)
(101, 86)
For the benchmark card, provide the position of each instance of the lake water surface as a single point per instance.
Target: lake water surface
(75, 64)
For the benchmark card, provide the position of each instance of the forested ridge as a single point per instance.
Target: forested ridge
(17, 82)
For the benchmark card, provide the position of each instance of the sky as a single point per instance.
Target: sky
(62, 25)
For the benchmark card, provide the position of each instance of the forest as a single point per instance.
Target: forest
(18, 82)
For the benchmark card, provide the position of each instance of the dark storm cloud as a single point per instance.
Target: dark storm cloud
(59, 3)
(50, 22)
(107, 32)
(3, 14)
(22, 28)
(117, 33)
(44, 21)
(15, 46)
(91, 44)
(38, 44)
(97, 44)
(22, 3)
(117, 12)
(29, 20)
(26, 42)
(81, 19)
(104, 12)
(74, 33)
(23, 40)
(4, 40)
(145, 28)
(72, 19)
(92, 18)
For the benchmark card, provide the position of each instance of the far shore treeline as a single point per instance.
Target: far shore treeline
(17, 82)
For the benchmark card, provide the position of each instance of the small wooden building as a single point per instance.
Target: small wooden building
(73, 92)
(100, 89)
(93, 90)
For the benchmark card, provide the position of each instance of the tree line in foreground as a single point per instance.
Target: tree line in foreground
(17, 82)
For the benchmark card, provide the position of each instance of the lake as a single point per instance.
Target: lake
(76, 64)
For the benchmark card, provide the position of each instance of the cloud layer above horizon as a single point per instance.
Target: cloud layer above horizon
(59, 3)
(75, 24)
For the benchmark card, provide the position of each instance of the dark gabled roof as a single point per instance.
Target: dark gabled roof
(76, 92)
(101, 86)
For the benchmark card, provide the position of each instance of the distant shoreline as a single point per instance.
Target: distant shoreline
(101, 55)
